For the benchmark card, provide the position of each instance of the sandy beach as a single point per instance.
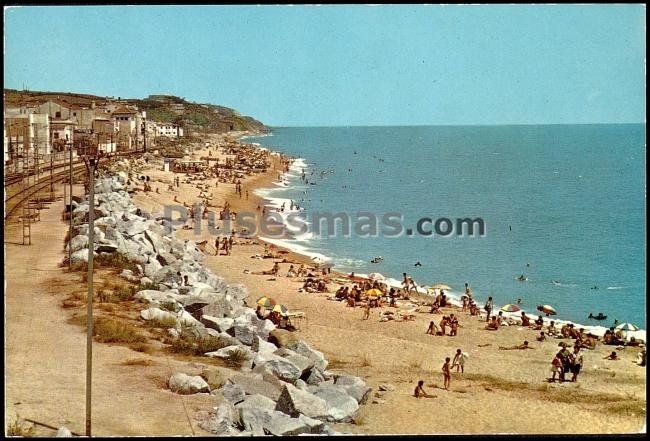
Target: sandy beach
(499, 392)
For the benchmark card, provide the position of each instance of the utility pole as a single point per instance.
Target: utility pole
(92, 161)
(70, 220)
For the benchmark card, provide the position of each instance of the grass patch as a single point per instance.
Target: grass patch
(188, 346)
(236, 358)
(20, 427)
(116, 261)
(137, 362)
(359, 420)
(109, 330)
(142, 347)
(337, 363)
(164, 323)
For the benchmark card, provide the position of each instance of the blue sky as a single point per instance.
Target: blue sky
(346, 65)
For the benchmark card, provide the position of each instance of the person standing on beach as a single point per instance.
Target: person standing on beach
(488, 308)
(459, 360)
(446, 372)
(577, 364)
(216, 246)
(366, 311)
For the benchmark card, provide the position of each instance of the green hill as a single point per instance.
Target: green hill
(193, 117)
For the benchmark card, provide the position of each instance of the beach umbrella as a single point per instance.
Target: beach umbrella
(281, 309)
(376, 276)
(547, 309)
(374, 292)
(439, 286)
(266, 302)
(510, 308)
(627, 327)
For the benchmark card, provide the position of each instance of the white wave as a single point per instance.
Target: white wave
(297, 248)
(615, 287)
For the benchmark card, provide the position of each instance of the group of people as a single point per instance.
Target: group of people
(458, 362)
(447, 320)
(566, 361)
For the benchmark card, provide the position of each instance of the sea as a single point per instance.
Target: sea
(561, 205)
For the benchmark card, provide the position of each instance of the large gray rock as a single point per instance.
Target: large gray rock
(221, 324)
(151, 268)
(256, 401)
(359, 392)
(221, 421)
(315, 356)
(79, 256)
(228, 350)
(340, 406)
(165, 258)
(79, 242)
(157, 314)
(184, 384)
(232, 392)
(158, 298)
(254, 384)
(258, 421)
(278, 366)
(263, 346)
(294, 402)
(303, 363)
(315, 376)
(244, 333)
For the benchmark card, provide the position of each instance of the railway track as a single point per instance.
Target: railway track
(16, 200)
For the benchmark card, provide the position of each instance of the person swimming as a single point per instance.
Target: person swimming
(522, 278)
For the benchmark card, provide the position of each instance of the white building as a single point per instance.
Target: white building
(169, 130)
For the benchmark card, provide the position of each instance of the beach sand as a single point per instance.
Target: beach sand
(499, 392)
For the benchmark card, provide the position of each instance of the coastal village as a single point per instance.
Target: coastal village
(226, 334)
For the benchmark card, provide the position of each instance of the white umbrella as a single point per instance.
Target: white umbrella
(627, 327)
(376, 276)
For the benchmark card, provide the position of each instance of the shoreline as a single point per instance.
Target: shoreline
(453, 296)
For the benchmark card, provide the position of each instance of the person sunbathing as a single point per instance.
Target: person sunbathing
(541, 336)
(419, 391)
(524, 345)
(539, 323)
(525, 321)
(493, 325)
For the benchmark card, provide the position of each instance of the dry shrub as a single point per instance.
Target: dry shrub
(365, 360)
(20, 427)
(337, 363)
(138, 362)
(188, 346)
(109, 330)
(142, 347)
(116, 261)
(165, 323)
(236, 358)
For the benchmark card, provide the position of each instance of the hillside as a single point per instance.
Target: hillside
(194, 117)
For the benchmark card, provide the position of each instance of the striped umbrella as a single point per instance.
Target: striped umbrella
(510, 308)
(547, 309)
(627, 327)
(266, 302)
(376, 276)
(281, 309)
(374, 292)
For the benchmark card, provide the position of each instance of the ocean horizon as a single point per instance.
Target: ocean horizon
(563, 205)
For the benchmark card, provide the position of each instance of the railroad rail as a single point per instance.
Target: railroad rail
(15, 200)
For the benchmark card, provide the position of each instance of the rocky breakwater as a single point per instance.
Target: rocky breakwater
(280, 386)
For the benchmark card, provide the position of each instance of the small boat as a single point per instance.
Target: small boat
(600, 316)
(522, 278)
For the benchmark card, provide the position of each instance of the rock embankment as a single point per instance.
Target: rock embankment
(283, 386)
